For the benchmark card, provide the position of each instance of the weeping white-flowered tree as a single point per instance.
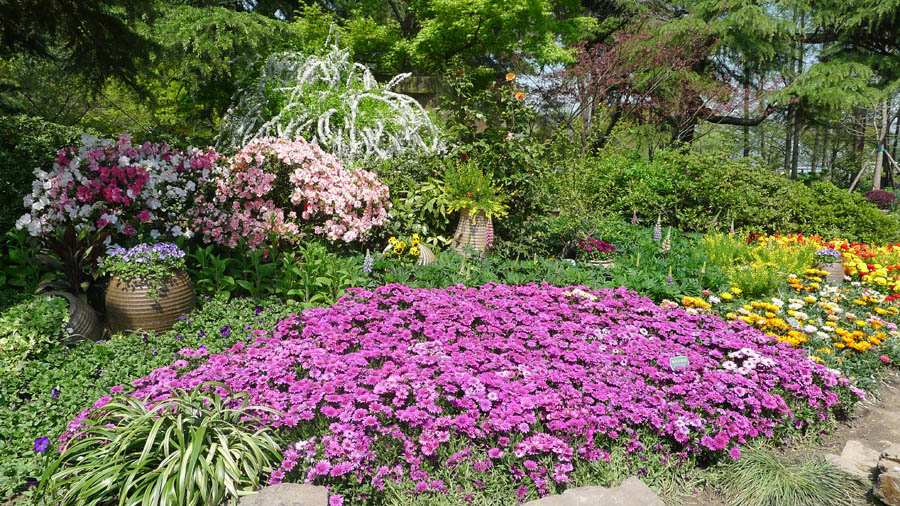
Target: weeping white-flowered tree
(334, 102)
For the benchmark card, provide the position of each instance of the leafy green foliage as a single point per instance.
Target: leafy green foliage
(28, 328)
(762, 478)
(467, 187)
(710, 191)
(19, 273)
(101, 34)
(81, 373)
(25, 144)
(426, 34)
(310, 274)
(192, 449)
(639, 264)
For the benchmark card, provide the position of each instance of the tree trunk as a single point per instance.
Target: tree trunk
(746, 111)
(825, 136)
(613, 120)
(815, 152)
(879, 155)
(795, 154)
(789, 130)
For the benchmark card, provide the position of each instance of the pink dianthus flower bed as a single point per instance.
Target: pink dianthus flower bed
(536, 379)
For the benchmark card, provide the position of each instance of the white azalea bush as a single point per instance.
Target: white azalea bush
(331, 101)
(132, 189)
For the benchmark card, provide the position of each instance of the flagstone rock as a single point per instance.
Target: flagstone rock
(287, 494)
(632, 492)
(887, 485)
(856, 459)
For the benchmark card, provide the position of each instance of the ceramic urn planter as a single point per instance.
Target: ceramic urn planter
(132, 305)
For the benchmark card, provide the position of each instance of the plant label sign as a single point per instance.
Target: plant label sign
(678, 362)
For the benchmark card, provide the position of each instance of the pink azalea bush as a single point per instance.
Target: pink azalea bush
(115, 183)
(273, 187)
(536, 382)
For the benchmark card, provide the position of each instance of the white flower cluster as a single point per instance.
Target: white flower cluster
(751, 360)
(334, 102)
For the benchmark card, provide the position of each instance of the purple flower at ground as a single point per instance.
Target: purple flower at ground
(225, 331)
(336, 500)
(54, 393)
(41, 444)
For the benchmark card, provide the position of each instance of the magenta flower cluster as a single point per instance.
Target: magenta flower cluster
(535, 380)
(590, 244)
(117, 184)
(273, 187)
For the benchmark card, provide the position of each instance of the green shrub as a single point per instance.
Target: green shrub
(25, 144)
(54, 387)
(701, 192)
(28, 329)
(190, 449)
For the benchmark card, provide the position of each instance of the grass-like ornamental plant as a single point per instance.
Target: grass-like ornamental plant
(149, 263)
(762, 478)
(194, 448)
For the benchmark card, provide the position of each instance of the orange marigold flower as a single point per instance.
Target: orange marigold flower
(520, 96)
(510, 76)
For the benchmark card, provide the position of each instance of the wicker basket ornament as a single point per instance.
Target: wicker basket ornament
(835, 272)
(473, 233)
(426, 256)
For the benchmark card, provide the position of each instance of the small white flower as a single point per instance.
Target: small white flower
(714, 300)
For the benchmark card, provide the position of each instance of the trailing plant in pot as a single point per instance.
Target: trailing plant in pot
(471, 192)
(149, 287)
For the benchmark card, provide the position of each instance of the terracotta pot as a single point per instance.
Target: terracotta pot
(83, 320)
(474, 232)
(130, 307)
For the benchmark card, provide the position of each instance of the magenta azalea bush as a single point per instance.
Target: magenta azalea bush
(115, 183)
(538, 382)
(273, 187)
